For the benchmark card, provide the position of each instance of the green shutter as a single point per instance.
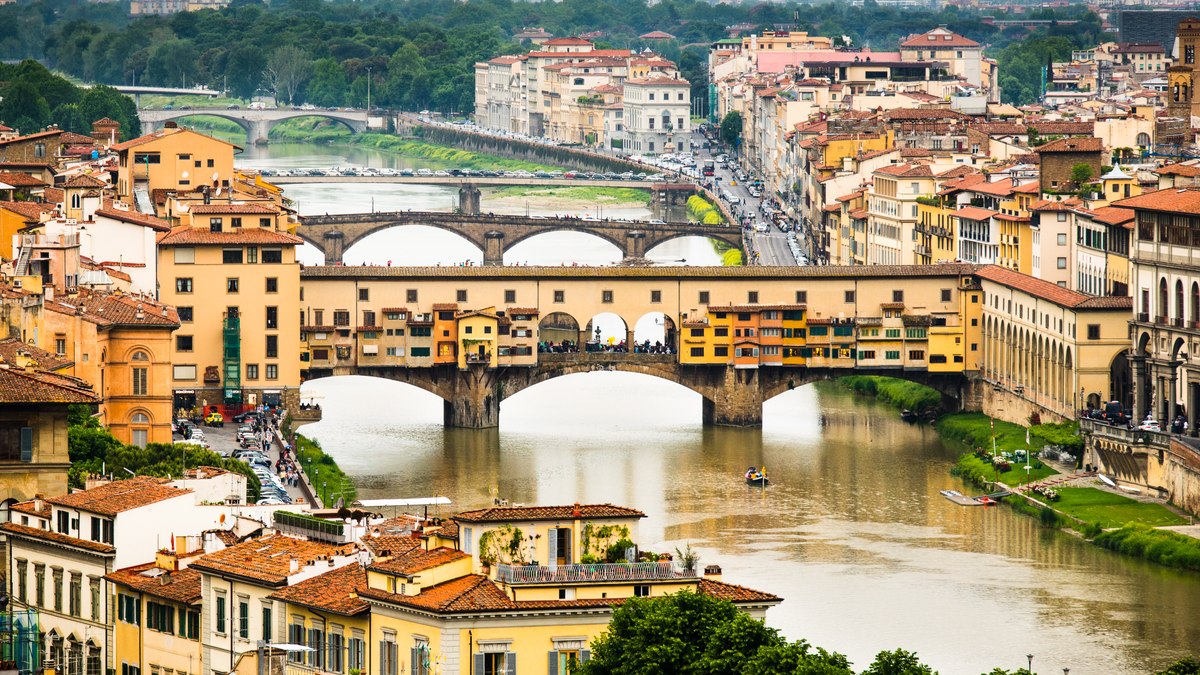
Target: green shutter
(552, 664)
(510, 659)
(26, 444)
(585, 655)
(478, 664)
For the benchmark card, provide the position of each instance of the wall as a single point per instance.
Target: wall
(47, 474)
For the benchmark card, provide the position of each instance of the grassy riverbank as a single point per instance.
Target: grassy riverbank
(731, 256)
(900, 393)
(445, 155)
(327, 477)
(1106, 509)
(606, 196)
(1157, 546)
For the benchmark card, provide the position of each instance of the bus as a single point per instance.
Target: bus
(710, 167)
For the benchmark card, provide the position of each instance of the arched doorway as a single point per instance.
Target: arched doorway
(654, 333)
(1120, 377)
(558, 332)
(607, 332)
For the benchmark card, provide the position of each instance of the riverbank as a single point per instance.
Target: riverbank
(327, 478)
(996, 457)
(570, 199)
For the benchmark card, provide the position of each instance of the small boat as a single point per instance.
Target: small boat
(909, 416)
(1106, 480)
(756, 477)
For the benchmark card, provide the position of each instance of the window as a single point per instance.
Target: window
(411, 295)
(704, 297)
(641, 590)
(39, 585)
(235, 221)
(341, 317)
(697, 351)
(1062, 263)
(93, 590)
(364, 294)
(388, 655)
(419, 352)
(272, 255)
(272, 285)
(296, 637)
(251, 371)
(801, 297)
(655, 296)
(244, 618)
(128, 609)
(183, 343)
(231, 256)
(75, 595)
(185, 314)
(219, 613)
(1093, 331)
(264, 222)
(916, 355)
(252, 257)
(460, 295)
(892, 355)
(272, 371)
(183, 284)
(946, 294)
(182, 372)
(140, 374)
(272, 317)
(560, 296)
(897, 296)
(356, 651)
(1062, 239)
(334, 662)
(510, 295)
(231, 285)
(849, 296)
(752, 297)
(606, 296)
(58, 588)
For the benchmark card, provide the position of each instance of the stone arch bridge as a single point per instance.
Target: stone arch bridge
(495, 234)
(256, 123)
(732, 397)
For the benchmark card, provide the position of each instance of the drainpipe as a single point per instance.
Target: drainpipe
(229, 626)
(470, 652)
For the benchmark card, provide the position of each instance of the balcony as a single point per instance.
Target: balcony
(595, 573)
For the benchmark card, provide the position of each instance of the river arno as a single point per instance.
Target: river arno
(853, 533)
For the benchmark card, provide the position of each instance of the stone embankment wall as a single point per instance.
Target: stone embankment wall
(512, 148)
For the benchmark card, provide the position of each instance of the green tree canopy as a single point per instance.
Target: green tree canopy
(731, 127)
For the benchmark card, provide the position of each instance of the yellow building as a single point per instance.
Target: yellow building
(234, 277)
(156, 626)
(936, 231)
(326, 613)
(15, 217)
(33, 424)
(893, 212)
(172, 160)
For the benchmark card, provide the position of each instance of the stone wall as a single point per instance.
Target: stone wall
(512, 148)
(982, 396)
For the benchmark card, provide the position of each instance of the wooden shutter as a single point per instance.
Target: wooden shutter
(510, 659)
(413, 658)
(552, 547)
(478, 664)
(552, 664)
(26, 444)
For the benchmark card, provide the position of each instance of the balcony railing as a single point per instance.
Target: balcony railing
(598, 572)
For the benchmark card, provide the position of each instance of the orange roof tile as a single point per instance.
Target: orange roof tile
(31, 211)
(509, 514)
(936, 39)
(1171, 200)
(244, 207)
(119, 496)
(10, 347)
(84, 181)
(180, 586)
(1113, 215)
(47, 536)
(1091, 144)
(133, 217)
(267, 559)
(20, 386)
(1045, 290)
(419, 561)
(191, 236)
(335, 591)
(21, 179)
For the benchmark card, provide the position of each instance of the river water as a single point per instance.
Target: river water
(852, 532)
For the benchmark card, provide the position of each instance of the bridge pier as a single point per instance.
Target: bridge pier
(260, 131)
(335, 242)
(493, 249)
(468, 199)
(635, 244)
(476, 400)
(737, 402)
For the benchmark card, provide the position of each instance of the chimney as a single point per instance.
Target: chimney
(293, 566)
(712, 572)
(38, 503)
(577, 513)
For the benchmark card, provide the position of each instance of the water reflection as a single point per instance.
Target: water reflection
(852, 531)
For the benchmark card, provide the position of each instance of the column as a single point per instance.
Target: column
(335, 243)
(1137, 367)
(1172, 393)
(629, 340)
(493, 248)
(1193, 401)
(635, 244)
(737, 401)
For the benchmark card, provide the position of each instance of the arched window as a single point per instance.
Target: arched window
(139, 426)
(75, 200)
(1195, 315)
(141, 373)
(1163, 305)
(1143, 139)
(1179, 302)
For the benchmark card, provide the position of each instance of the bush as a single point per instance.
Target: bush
(1091, 530)
(897, 392)
(1049, 517)
(1159, 546)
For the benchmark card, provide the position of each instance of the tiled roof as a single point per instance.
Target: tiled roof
(923, 114)
(267, 559)
(469, 593)
(656, 35)
(1045, 290)
(18, 386)
(185, 236)
(21, 179)
(119, 496)
(522, 311)
(30, 507)
(974, 213)
(134, 217)
(32, 211)
(392, 537)
(45, 360)
(447, 530)
(1172, 200)
(508, 514)
(1064, 128)
(419, 561)
(76, 139)
(180, 586)
(84, 181)
(571, 41)
(335, 591)
(1113, 215)
(733, 592)
(663, 272)
(161, 133)
(958, 171)
(1092, 144)
(244, 207)
(906, 170)
(937, 39)
(113, 309)
(55, 538)
(1047, 205)
(29, 137)
(1185, 170)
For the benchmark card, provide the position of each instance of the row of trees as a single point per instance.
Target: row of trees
(693, 634)
(33, 97)
(420, 53)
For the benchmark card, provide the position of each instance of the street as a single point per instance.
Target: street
(223, 440)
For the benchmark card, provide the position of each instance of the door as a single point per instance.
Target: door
(563, 545)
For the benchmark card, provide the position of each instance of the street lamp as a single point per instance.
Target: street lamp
(1030, 657)
(368, 91)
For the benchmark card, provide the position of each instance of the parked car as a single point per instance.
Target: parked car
(214, 419)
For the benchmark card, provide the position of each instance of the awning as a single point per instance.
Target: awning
(418, 501)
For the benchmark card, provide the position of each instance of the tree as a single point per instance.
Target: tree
(731, 127)
(244, 70)
(328, 84)
(24, 108)
(898, 662)
(288, 68)
(1081, 174)
(173, 62)
(1188, 665)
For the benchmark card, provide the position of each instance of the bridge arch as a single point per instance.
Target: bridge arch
(348, 243)
(519, 237)
(734, 238)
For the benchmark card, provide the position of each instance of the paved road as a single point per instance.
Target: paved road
(772, 246)
(224, 441)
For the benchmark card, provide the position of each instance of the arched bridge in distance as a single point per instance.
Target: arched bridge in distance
(256, 123)
(475, 336)
(495, 234)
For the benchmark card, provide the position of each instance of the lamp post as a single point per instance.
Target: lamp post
(368, 93)
(1030, 657)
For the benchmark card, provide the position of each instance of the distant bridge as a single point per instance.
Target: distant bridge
(256, 123)
(495, 234)
(486, 181)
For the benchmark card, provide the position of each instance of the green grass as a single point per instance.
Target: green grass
(157, 101)
(1111, 510)
(974, 470)
(443, 155)
(321, 468)
(1158, 546)
(593, 194)
(974, 431)
(894, 391)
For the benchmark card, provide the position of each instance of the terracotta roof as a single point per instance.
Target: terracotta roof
(120, 495)
(1113, 215)
(522, 311)
(974, 213)
(447, 530)
(1186, 170)
(335, 591)
(936, 39)
(161, 133)
(29, 137)
(419, 561)
(656, 35)
(1064, 128)
(134, 218)
(76, 139)
(906, 170)
(45, 360)
(958, 171)
(1172, 200)
(1047, 205)
(115, 309)
(999, 188)
(923, 114)
(392, 537)
(1045, 290)
(18, 385)
(733, 592)
(662, 272)
(185, 236)
(30, 507)
(32, 211)
(658, 81)
(21, 179)
(391, 310)
(508, 514)
(84, 181)
(55, 538)
(244, 207)
(573, 41)
(1092, 144)
(445, 305)
(180, 586)
(469, 593)
(267, 559)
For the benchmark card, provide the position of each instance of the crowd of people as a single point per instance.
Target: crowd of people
(568, 347)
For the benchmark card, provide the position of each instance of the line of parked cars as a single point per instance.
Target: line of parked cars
(370, 172)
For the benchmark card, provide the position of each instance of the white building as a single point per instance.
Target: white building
(657, 115)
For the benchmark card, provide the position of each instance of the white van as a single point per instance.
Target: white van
(761, 228)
